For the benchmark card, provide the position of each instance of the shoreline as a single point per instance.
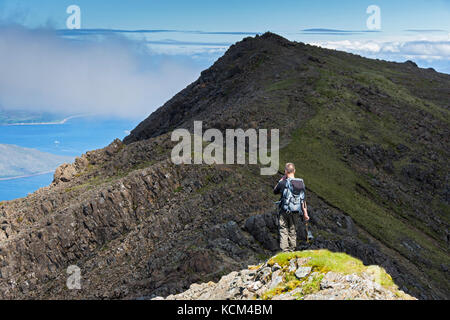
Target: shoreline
(27, 176)
(63, 121)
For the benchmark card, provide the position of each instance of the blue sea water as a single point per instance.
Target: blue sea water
(19, 188)
(72, 138)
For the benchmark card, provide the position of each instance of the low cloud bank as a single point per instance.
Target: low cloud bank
(112, 75)
(425, 52)
(434, 50)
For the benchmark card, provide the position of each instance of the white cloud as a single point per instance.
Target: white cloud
(420, 49)
(432, 49)
(41, 71)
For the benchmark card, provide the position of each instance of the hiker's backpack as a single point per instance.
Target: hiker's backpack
(291, 202)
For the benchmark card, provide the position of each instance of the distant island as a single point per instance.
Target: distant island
(15, 117)
(17, 162)
(56, 122)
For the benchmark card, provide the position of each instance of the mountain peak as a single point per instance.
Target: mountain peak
(256, 61)
(273, 37)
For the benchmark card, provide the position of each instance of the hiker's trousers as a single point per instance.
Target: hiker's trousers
(287, 229)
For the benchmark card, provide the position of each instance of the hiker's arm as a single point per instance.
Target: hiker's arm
(279, 187)
(305, 211)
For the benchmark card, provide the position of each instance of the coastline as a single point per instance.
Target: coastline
(63, 121)
(27, 176)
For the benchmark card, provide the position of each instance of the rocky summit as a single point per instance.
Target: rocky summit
(306, 275)
(369, 137)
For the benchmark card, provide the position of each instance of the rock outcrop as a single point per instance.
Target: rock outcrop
(306, 275)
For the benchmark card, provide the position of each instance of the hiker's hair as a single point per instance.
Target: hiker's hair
(290, 167)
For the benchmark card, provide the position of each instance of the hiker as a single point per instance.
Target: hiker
(292, 202)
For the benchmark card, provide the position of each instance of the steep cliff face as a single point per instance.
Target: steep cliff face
(369, 137)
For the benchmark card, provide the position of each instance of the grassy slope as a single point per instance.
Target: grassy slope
(320, 162)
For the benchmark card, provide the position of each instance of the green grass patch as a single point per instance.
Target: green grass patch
(311, 286)
(324, 261)
(142, 165)
(76, 188)
(268, 295)
(282, 85)
(401, 94)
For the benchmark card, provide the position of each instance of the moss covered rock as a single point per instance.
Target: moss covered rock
(302, 275)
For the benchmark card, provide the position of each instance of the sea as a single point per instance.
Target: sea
(72, 137)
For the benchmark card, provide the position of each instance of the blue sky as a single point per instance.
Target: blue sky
(45, 66)
(233, 15)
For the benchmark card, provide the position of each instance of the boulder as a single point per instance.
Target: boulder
(64, 173)
(303, 272)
